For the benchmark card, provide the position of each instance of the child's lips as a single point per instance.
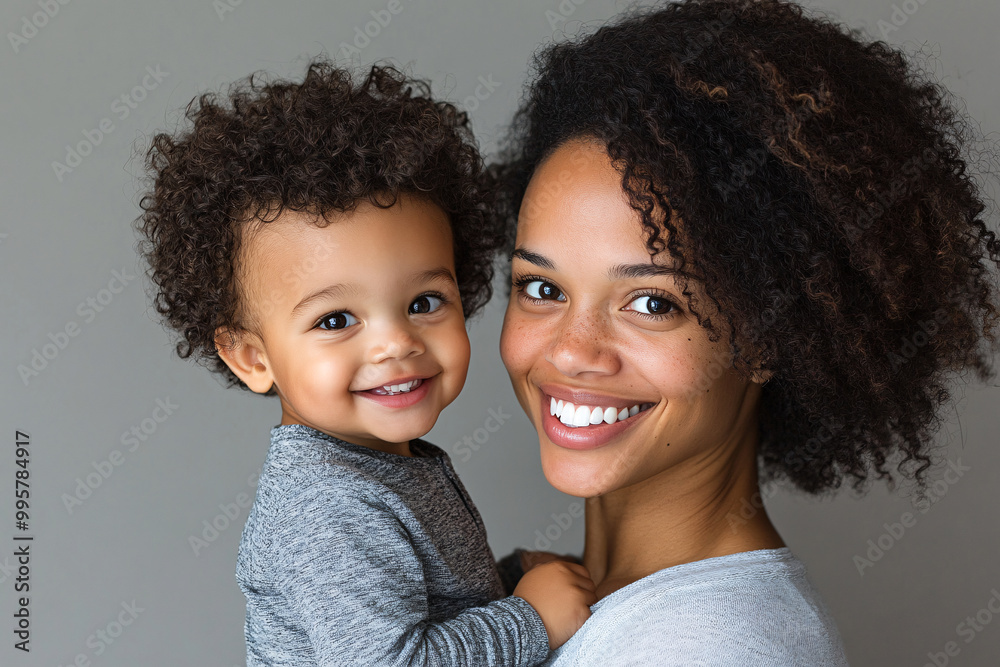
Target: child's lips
(402, 399)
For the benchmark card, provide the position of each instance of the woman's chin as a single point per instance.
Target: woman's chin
(584, 474)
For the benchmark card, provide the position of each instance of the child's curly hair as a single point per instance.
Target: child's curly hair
(320, 146)
(825, 206)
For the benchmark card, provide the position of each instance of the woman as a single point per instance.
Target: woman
(728, 219)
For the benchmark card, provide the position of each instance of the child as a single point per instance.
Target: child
(324, 242)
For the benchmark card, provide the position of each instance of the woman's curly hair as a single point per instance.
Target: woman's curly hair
(823, 200)
(320, 146)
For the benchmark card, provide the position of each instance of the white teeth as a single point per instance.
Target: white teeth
(584, 415)
(400, 388)
(566, 415)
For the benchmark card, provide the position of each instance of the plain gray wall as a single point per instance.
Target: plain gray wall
(63, 237)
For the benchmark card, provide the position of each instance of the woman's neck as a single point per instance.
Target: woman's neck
(692, 511)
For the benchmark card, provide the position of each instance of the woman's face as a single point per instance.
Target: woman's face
(594, 323)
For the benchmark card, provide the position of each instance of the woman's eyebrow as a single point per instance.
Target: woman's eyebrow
(626, 271)
(617, 272)
(533, 258)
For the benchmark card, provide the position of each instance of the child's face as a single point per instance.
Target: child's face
(349, 310)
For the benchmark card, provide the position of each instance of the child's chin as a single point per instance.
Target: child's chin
(401, 435)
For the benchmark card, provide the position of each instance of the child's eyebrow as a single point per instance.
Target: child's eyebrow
(440, 273)
(334, 291)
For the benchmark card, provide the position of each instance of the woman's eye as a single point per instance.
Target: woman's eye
(425, 304)
(539, 289)
(337, 321)
(651, 305)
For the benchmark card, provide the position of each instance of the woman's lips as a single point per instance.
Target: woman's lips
(591, 436)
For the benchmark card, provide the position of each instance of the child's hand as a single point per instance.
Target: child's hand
(561, 592)
(530, 559)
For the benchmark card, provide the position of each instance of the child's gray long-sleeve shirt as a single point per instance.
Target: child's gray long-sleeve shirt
(353, 556)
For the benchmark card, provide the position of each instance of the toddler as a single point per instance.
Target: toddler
(324, 242)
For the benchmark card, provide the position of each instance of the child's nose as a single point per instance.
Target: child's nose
(398, 343)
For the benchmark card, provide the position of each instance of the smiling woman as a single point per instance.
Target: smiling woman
(594, 329)
(688, 225)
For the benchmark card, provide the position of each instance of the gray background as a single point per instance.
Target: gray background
(129, 541)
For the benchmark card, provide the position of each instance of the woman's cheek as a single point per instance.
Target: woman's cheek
(515, 345)
(678, 372)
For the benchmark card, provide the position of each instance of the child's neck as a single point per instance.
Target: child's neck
(398, 448)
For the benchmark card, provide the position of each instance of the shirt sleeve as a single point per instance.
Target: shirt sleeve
(510, 571)
(348, 567)
(713, 626)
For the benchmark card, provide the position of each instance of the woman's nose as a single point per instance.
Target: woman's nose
(582, 344)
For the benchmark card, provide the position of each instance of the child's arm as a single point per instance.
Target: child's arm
(513, 566)
(348, 570)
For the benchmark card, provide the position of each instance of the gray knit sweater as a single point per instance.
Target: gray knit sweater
(353, 556)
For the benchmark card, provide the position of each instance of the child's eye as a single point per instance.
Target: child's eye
(337, 321)
(425, 303)
(652, 305)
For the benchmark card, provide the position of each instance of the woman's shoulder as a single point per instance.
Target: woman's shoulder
(755, 607)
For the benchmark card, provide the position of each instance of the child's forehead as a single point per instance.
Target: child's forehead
(298, 248)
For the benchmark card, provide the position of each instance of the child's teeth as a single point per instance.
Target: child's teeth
(400, 388)
(610, 416)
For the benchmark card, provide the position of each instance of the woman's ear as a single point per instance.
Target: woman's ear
(245, 356)
(761, 377)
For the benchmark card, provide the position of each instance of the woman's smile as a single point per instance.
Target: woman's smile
(587, 427)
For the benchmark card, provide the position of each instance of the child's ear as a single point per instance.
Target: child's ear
(245, 356)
